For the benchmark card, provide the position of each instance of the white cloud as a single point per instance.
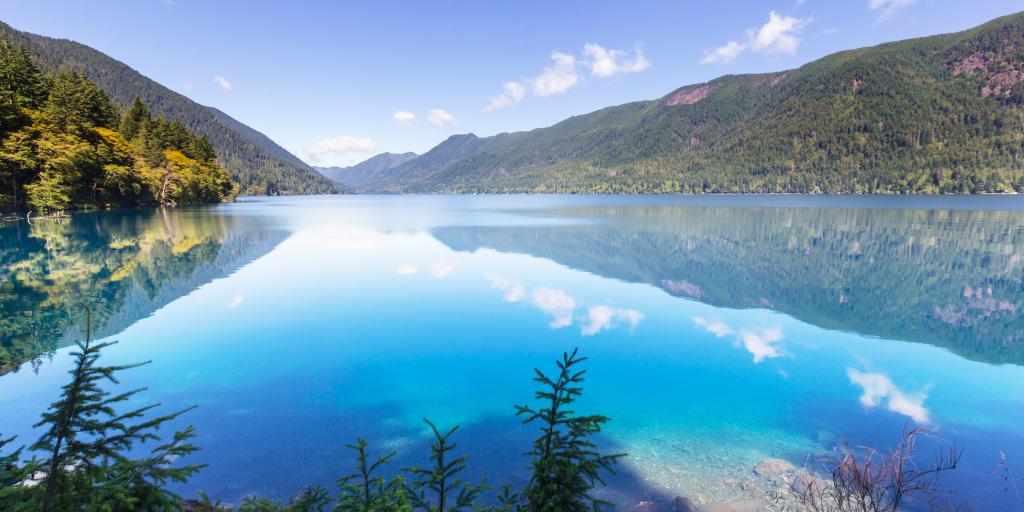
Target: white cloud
(602, 317)
(512, 94)
(779, 35)
(403, 117)
(440, 118)
(407, 269)
(888, 7)
(223, 83)
(878, 387)
(610, 62)
(339, 146)
(236, 301)
(442, 268)
(556, 303)
(557, 78)
(514, 290)
(763, 343)
(715, 327)
(563, 73)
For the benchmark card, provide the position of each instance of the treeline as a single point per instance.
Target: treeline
(65, 145)
(254, 162)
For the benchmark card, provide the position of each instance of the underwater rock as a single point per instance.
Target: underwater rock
(773, 468)
(683, 504)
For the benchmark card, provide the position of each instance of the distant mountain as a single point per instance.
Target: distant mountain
(940, 114)
(372, 170)
(254, 161)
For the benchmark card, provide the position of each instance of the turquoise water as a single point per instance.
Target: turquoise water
(720, 330)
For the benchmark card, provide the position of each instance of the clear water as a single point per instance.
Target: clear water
(720, 330)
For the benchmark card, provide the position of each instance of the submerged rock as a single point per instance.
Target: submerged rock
(683, 504)
(773, 468)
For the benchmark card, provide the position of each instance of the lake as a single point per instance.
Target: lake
(720, 331)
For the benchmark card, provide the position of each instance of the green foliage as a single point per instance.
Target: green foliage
(76, 104)
(366, 491)
(447, 492)
(21, 82)
(62, 152)
(566, 464)
(254, 162)
(82, 458)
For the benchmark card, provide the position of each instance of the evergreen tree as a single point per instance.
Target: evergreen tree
(366, 491)
(447, 492)
(86, 441)
(75, 104)
(565, 461)
(134, 119)
(21, 82)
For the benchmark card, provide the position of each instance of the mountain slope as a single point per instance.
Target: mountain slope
(254, 161)
(940, 114)
(374, 169)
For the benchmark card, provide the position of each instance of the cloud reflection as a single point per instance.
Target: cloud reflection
(602, 317)
(878, 387)
(761, 343)
(442, 268)
(557, 304)
(514, 290)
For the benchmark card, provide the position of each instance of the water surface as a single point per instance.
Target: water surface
(720, 330)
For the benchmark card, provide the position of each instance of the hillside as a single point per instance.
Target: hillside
(940, 114)
(357, 177)
(255, 162)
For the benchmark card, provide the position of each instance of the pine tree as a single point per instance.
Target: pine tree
(75, 104)
(566, 463)
(366, 491)
(86, 441)
(134, 119)
(448, 493)
(12, 473)
(21, 82)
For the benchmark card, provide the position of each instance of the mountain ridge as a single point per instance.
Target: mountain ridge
(355, 177)
(935, 114)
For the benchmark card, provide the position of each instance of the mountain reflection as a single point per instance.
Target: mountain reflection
(122, 265)
(950, 278)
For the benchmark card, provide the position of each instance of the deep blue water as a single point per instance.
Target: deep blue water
(720, 330)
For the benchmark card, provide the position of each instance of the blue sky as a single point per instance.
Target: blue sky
(335, 82)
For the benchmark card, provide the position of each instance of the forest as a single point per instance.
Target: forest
(65, 145)
(255, 163)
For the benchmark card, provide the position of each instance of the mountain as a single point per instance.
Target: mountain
(939, 114)
(254, 161)
(357, 177)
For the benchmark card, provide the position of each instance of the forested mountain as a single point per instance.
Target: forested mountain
(357, 177)
(65, 145)
(256, 163)
(940, 114)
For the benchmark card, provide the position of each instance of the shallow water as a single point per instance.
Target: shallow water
(720, 330)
